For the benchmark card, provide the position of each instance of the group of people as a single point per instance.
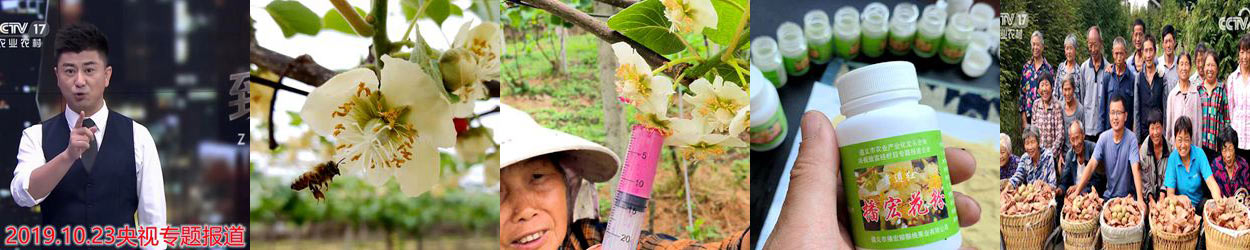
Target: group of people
(1155, 120)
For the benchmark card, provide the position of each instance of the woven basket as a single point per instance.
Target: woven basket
(1218, 240)
(1112, 234)
(1028, 231)
(1079, 234)
(1130, 246)
(1173, 241)
(1087, 241)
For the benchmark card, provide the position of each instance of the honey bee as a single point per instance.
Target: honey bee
(317, 179)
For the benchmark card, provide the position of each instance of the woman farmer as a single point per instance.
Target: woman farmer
(543, 170)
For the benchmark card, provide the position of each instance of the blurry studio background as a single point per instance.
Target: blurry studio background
(172, 61)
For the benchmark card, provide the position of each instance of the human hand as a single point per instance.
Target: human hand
(80, 138)
(816, 189)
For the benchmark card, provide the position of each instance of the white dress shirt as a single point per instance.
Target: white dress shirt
(151, 185)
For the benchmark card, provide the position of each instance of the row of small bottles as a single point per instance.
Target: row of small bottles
(873, 32)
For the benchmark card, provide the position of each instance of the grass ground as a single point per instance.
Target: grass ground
(571, 103)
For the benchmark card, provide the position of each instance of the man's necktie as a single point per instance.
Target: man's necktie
(88, 157)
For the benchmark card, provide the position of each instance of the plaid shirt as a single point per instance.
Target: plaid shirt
(1213, 108)
(1030, 78)
(1049, 122)
(1044, 171)
(585, 233)
(1057, 84)
(1229, 186)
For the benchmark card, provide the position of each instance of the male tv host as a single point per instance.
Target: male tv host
(88, 165)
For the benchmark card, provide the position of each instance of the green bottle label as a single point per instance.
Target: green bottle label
(796, 65)
(953, 51)
(900, 44)
(848, 48)
(820, 52)
(770, 134)
(898, 191)
(927, 46)
(874, 45)
(776, 77)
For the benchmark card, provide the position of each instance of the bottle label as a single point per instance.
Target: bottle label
(820, 51)
(796, 65)
(898, 191)
(776, 76)
(767, 135)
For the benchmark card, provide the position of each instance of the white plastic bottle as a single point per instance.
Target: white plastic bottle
(819, 36)
(768, 120)
(875, 25)
(955, 41)
(890, 140)
(903, 28)
(929, 31)
(793, 48)
(764, 54)
(846, 32)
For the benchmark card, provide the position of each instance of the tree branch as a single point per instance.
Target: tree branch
(619, 3)
(303, 68)
(599, 29)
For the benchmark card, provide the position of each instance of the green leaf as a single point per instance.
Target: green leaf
(296, 120)
(333, 20)
(439, 10)
(514, 15)
(456, 11)
(294, 18)
(645, 23)
(726, 71)
(727, 19)
(556, 20)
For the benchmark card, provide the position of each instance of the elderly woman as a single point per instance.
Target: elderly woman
(1231, 172)
(1006, 160)
(1212, 104)
(539, 185)
(1071, 104)
(1037, 163)
(1183, 100)
(1068, 69)
(1031, 76)
(1188, 169)
(1048, 116)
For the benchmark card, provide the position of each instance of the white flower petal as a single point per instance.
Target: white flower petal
(626, 55)
(462, 109)
(462, 36)
(405, 84)
(685, 132)
(704, 13)
(740, 121)
(733, 142)
(661, 90)
(377, 175)
(324, 100)
(421, 173)
(486, 57)
(731, 91)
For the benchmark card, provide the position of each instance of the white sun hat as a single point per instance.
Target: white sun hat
(521, 138)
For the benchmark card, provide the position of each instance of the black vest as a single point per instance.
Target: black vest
(108, 195)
